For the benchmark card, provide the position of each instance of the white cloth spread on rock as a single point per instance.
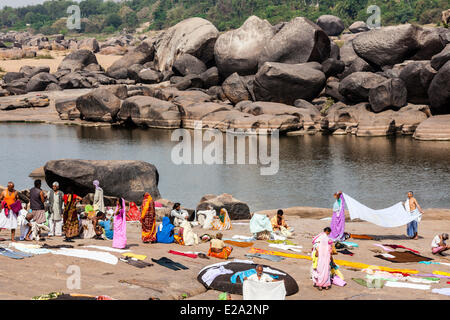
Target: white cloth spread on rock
(213, 273)
(29, 248)
(253, 290)
(86, 254)
(391, 217)
(286, 247)
(407, 285)
(107, 249)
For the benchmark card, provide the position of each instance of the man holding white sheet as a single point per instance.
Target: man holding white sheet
(413, 207)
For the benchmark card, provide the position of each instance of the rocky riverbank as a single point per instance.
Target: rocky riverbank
(296, 77)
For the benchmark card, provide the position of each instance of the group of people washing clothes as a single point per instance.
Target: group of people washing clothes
(57, 213)
(324, 271)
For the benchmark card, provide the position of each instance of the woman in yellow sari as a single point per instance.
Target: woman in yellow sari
(148, 219)
(222, 222)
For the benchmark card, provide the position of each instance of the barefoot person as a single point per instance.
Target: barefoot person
(71, 225)
(321, 258)
(438, 245)
(413, 207)
(55, 210)
(8, 219)
(338, 220)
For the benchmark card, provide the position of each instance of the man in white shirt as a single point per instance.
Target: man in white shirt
(177, 215)
(438, 244)
(259, 276)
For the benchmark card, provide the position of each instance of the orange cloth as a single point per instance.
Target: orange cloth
(224, 254)
(239, 244)
(361, 236)
(9, 198)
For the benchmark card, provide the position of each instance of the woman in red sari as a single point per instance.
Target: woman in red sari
(148, 219)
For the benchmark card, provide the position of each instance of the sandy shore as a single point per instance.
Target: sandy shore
(41, 274)
(14, 65)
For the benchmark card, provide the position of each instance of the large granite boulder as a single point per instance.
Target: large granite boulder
(237, 209)
(434, 128)
(429, 42)
(387, 45)
(118, 178)
(90, 44)
(438, 60)
(238, 50)
(30, 71)
(391, 93)
(140, 55)
(198, 111)
(332, 25)
(67, 108)
(303, 110)
(98, 105)
(235, 90)
(285, 83)
(77, 60)
(358, 26)
(12, 76)
(356, 86)
(439, 90)
(40, 81)
(188, 64)
(150, 112)
(298, 41)
(195, 36)
(417, 76)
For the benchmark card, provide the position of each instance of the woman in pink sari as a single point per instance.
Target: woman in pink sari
(120, 226)
(321, 258)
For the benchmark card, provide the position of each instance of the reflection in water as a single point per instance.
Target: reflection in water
(376, 171)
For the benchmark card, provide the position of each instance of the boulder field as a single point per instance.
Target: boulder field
(390, 78)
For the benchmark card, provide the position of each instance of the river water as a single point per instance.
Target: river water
(376, 171)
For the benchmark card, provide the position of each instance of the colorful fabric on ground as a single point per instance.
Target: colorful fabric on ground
(224, 254)
(223, 222)
(241, 244)
(190, 255)
(120, 227)
(391, 217)
(242, 275)
(345, 263)
(441, 273)
(369, 284)
(338, 220)
(70, 216)
(148, 219)
(350, 244)
(133, 255)
(403, 257)
(361, 236)
(383, 247)
(396, 246)
(165, 231)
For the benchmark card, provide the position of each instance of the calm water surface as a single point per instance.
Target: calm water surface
(376, 171)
